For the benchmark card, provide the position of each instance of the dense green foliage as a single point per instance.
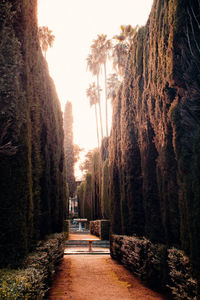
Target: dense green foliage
(88, 196)
(66, 229)
(84, 194)
(153, 263)
(69, 147)
(100, 228)
(93, 193)
(88, 192)
(80, 193)
(32, 176)
(105, 197)
(154, 151)
(32, 281)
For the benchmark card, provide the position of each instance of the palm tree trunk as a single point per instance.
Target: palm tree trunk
(100, 115)
(100, 163)
(106, 98)
(97, 125)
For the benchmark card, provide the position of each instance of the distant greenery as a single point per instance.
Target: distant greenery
(88, 191)
(93, 192)
(69, 147)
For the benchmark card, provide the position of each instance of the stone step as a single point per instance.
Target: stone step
(95, 243)
(74, 230)
(73, 252)
(81, 242)
(77, 230)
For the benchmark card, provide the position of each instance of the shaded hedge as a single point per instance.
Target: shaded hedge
(105, 192)
(182, 282)
(154, 149)
(33, 281)
(84, 195)
(89, 191)
(69, 147)
(66, 228)
(162, 268)
(32, 177)
(94, 191)
(100, 228)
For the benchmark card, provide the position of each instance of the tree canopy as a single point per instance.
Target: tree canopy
(46, 38)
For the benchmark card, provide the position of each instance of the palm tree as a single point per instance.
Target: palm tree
(127, 33)
(92, 94)
(113, 84)
(46, 38)
(94, 67)
(121, 48)
(101, 48)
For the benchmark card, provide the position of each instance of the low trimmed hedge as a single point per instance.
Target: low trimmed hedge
(159, 267)
(35, 277)
(100, 228)
(182, 283)
(66, 228)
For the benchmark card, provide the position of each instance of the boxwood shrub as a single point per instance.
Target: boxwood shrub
(161, 268)
(33, 279)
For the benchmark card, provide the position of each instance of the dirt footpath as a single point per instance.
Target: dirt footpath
(97, 277)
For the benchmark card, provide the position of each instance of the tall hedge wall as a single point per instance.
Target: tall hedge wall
(154, 153)
(32, 179)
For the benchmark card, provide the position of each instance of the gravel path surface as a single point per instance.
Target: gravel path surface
(97, 277)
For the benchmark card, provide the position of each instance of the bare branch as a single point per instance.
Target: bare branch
(188, 38)
(193, 30)
(195, 17)
(8, 149)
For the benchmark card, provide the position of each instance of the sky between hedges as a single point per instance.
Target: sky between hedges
(75, 24)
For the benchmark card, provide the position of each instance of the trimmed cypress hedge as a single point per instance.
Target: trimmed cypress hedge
(154, 147)
(66, 228)
(32, 173)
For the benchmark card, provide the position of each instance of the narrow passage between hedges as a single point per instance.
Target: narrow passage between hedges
(93, 277)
